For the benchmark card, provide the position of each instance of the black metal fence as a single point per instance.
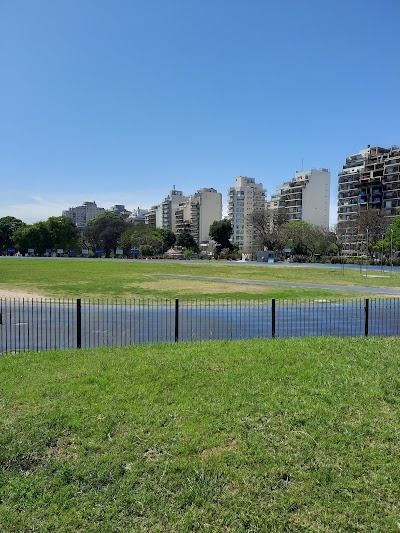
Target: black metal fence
(64, 324)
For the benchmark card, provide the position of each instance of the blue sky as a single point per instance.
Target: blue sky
(118, 100)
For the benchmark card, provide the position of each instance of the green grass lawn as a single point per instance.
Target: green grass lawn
(284, 435)
(134, 279)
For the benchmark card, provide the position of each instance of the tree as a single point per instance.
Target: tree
(221, 231)
(135, 237)
(369, 226)
(266, 224)
(36, 236)
(8, 226)
(168, 238)
(146, 251)
(391, 241)
(303, 238)
(187, 241)
(104, 232)
(63, 233)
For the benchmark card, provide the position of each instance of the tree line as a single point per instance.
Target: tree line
(109, 232)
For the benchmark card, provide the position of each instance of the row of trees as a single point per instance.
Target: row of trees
(106, 232)
(55, 232)
(274, 232)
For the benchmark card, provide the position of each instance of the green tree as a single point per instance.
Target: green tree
(8, 226)
(221, 231)
(36, 236)
(63, 233)
(135, 237)
(146, 250)
(187, 241)
(104, 232)
(303, 238)
(391, 241)
(168, 239)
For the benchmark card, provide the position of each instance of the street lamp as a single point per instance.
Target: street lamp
(391, 251)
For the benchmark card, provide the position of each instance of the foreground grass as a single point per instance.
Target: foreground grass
(285, 435)
(132, 279)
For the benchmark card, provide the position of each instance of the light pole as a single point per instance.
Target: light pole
(391, 251)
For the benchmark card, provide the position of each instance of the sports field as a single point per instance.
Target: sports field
(75, 278)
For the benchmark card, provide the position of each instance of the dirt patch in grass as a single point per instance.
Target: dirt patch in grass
(205, 287)
(19, 294)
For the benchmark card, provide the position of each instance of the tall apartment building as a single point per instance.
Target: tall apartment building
(82, 214)
(150, 218)
(244, 198)
(198, 212)
(305, 198)
(369, 179)
(165, 218)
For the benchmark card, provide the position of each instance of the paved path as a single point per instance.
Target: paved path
(376, 290)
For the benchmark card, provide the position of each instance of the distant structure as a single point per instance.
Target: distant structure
(168, 209)
(244, 198)
(117, 209)
(138, 216)
(82, 214)
(305, 198)
(198, 212)
(369, 179)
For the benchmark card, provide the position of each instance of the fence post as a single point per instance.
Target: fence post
(366, 317)
(78, 324)
(273, 317)
(176, 320)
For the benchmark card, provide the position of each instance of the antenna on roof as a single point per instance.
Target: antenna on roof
(302, 164)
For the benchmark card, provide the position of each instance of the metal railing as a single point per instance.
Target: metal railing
(48, 324)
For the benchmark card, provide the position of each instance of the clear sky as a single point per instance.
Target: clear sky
(118, 100)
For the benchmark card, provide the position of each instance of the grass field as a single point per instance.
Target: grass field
(133, 279)
(278, 435)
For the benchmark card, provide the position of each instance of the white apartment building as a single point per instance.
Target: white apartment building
(82, 214)
(198, 212)
(165, 212)
(306, 197)
(244, 198)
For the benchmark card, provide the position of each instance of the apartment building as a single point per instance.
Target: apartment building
(369, 179)
(165, 212)
(82, 214)
(305, 198)
(244, 198)
(198, 212)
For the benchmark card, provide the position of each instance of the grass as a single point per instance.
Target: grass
(284, 435)
(132, 279)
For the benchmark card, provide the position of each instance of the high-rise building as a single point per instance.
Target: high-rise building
(244, 198)
(305, 197)
(82, 214)
(369, 179)
(198, 212)
(150, 218)
(168, 208)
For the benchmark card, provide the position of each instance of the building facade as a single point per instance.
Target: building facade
(244, 198)
(369, 179)
(198, 212)
(306, 198)
(82, 214)
(165, 212)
